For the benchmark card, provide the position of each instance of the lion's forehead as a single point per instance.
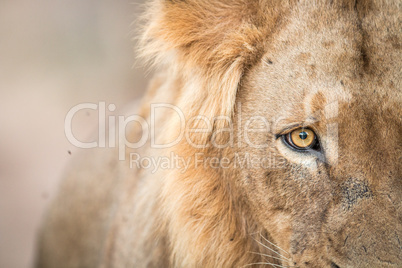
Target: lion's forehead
(321, 60)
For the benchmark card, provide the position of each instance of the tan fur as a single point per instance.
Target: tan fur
(333, 66)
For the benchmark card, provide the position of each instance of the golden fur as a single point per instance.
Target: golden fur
(333, 66)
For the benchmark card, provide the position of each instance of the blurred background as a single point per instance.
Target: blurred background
(53, 56)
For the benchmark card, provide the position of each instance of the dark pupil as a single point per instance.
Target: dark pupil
(303, 135)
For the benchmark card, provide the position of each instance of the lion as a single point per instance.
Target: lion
(290, 154)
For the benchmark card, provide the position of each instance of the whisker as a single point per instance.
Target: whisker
(274, 244)
(265, 246)
(265, 263)
(265, 255)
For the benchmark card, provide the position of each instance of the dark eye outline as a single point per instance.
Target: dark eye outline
(313, 147)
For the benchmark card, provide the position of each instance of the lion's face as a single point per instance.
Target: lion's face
(324, 78)
(337, 203)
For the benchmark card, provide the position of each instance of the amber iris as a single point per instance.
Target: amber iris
(302, 138)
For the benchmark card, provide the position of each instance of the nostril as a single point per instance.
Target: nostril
(333, 265)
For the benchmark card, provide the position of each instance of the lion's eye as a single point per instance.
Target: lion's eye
(302, 139)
